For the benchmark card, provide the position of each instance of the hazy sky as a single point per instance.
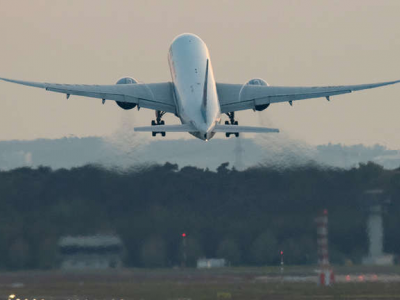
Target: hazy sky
(285, 42)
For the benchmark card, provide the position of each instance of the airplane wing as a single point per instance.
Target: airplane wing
(157, 96)
(234, 97)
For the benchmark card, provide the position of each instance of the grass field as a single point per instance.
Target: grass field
(184, 284)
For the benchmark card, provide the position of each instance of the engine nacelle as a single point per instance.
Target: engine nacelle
(258, 81)
(126, 105)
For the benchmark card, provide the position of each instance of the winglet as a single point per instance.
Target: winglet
(28, 83)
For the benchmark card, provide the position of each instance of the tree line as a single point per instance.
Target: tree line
(247, 217)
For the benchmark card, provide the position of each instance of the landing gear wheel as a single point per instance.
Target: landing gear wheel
(158, 121)
(231, 117)
(231, 121)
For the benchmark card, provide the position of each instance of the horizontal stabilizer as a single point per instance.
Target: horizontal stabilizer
(236, 128)
(167, 128)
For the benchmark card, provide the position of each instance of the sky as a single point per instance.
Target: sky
(292, 43)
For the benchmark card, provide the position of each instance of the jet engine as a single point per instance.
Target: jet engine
(258, 81)
(126, 105)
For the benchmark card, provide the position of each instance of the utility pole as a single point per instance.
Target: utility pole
(184, 255)
(282, 266)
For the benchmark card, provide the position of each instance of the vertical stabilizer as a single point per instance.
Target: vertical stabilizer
(204, 102)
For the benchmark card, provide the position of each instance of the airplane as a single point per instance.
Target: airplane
(194, 96)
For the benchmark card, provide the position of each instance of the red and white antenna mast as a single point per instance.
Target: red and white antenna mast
(326, 276)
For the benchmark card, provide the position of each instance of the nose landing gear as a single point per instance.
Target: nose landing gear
(158, 121)
(231, 121)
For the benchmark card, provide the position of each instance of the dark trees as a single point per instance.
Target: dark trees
(247, 217)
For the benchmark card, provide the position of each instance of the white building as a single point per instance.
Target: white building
(90, 252)
(208, 263)
(376, 256)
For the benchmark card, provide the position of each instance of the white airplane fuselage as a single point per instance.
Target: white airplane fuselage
(194, 85)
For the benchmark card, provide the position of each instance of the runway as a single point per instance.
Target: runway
(230, 283)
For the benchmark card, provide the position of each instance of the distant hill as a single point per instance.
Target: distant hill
(240, 153)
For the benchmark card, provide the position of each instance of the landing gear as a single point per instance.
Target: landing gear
(227, 134)
(231, 121)
(158, 121)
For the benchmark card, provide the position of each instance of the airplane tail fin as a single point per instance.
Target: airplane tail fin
(237, 128)
(167, 128)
